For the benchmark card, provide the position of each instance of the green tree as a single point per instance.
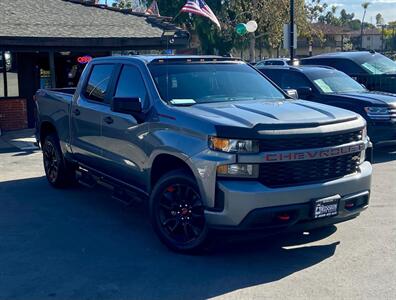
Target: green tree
(365, 6)
(346, 18)
(379, 20)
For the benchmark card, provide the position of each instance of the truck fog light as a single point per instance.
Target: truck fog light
(238, 170)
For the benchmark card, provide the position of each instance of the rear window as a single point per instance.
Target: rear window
(274, 63)
(98, 82)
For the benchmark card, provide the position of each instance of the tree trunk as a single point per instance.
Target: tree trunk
(252, 38)
(252, 48)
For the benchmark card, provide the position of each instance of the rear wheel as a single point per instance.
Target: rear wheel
(59, 173)
(177, 212)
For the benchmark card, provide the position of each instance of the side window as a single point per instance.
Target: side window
(294, 80)
(98, 82)
(274, 75)
(131, 84)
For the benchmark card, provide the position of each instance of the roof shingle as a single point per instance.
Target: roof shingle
(65, 19)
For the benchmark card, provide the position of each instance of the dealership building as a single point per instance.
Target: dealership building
(47, 43)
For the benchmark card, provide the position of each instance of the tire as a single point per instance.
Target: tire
(177, 213)
(58, 172)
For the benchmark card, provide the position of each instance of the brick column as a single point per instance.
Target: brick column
(13, 114)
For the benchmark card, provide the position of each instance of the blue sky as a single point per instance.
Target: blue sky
(386, 7)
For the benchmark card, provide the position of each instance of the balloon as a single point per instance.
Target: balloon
(251, 26)
(241, 29)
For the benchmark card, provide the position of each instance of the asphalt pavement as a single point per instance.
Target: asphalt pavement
(81, 244)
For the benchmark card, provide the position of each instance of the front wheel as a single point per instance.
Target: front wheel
(177, 212)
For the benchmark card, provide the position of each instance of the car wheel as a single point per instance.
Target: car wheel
(58, 172)
(177, 212)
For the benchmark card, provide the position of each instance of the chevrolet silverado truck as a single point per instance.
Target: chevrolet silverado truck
(209, 142)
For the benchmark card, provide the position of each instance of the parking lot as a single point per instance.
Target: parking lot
(81, 244)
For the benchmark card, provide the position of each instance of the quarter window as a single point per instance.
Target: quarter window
(98, 82)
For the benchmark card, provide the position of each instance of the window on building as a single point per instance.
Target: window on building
(131, 84)
(98, 82)
(9, 85)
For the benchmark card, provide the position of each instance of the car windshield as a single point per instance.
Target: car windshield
(332, 81)
(187, 84)
(378, 64)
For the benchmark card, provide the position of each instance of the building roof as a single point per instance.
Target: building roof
(329, 29)
(71, 20)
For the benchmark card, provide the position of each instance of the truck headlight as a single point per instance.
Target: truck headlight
(233, 145)
(377, 113)
(238, 171)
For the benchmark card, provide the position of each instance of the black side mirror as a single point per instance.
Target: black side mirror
(304, 92)
(126, 105)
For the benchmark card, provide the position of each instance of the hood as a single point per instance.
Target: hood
(280, 114)
(377, 98)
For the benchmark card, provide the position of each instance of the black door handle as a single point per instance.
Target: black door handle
(108, 120)
(76, 112)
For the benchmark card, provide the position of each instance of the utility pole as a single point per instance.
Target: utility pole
(292, 33)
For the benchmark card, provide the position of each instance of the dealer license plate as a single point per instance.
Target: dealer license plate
(326, 207)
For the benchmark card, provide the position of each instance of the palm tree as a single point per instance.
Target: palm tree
(365, 5)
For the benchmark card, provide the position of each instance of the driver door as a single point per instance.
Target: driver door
(122, 140)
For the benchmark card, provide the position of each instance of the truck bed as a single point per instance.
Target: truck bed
(54, 105)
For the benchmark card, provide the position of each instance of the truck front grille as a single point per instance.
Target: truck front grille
(392, 113)
(282, 174)
(309, 142)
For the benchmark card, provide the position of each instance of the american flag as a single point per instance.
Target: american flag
(199, 7)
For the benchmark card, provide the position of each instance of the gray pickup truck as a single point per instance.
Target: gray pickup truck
(210, 142)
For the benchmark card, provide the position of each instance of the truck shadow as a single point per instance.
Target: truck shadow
(80, 244)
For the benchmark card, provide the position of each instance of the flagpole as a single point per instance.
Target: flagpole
(176, 16)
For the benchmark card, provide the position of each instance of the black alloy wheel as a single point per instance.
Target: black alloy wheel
(58, 172)
(177, 212)
(51, 162)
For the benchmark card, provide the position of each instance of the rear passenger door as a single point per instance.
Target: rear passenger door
(122, 140)
(86, 115)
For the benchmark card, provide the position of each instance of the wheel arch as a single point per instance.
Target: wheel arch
(164, 163)
(46, 128)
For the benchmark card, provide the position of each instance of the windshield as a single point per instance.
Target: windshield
(211, 82)
(379, 64)
(332, 81)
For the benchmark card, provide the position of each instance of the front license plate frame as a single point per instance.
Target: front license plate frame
(325, 207)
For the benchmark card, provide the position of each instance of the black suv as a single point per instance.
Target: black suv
(374, 70)
(328, 86)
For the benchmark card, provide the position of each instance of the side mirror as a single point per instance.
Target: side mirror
(304, 92)
(292, 93)
(126, 105)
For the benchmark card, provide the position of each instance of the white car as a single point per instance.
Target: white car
(274, 62)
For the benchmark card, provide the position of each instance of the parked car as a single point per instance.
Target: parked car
(329, 86)
(374, 70)
(274, 62)
(209, 142)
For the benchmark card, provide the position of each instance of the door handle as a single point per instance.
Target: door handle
(108, 120)
(76, 112)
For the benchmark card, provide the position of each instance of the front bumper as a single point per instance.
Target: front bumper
(248, 204)
(382, 133)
